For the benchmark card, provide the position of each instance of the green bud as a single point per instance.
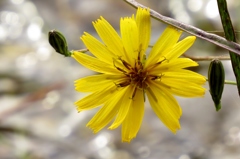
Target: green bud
(216, 78)
(58, 42)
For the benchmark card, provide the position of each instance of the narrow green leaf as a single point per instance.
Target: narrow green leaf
(230, 35)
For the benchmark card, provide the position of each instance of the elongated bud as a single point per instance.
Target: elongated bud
(58, 42)
(216, 78)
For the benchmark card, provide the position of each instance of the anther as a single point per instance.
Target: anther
(118, 68)
(123, 84)
(164, 59)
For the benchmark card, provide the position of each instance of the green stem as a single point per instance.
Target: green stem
(81, 50)
(230, 35)
(229, 82)
(213, 38)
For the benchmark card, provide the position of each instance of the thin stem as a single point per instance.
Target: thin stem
(81, 50)
(206, 58)
(213, 38)
(229, 82)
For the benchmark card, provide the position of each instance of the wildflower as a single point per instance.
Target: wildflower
(127, 74)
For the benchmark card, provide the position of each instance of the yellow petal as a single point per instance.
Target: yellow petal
(178, 49)
(182, 74)
(94, 63)
(181, 88)
(126, 102)
(133, 120)
(96, 98)
(107, 112)
(165, 42)
(178, 63)
(97, 48)
(129, 32)
(109, 36)
(97, 82)
(144, 29)
(165, 107)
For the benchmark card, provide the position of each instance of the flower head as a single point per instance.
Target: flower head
(127, 74)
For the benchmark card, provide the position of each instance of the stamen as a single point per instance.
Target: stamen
(134, 93)
(135, 75)
(138, 66)
(123, 84)
(164, 59)
(158, 63)
(127, 65)
(119, 68)
(139, 53)
(157, 78)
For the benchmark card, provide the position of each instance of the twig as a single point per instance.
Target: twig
(206, 58)
(215, 39)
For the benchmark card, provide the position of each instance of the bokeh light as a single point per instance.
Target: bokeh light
(34, 32)
(17, 1)
(194, 5)
(211, 10)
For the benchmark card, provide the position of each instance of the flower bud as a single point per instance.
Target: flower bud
(58, 42)
(216, 78)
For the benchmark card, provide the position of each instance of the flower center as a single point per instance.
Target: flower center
(138, 76)
(135, 76)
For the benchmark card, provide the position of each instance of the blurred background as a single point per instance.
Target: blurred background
(38, 119)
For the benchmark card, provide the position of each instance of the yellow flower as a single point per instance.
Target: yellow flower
(127, 73)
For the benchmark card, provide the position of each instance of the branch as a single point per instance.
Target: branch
(206, 58)
(215, 39)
